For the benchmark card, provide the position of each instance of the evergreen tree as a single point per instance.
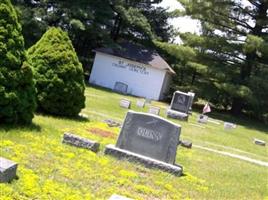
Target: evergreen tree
(17, 93)
(58, 74)
(233, 43)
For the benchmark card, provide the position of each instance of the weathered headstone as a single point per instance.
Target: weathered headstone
(140, 103)
(111, 123)
(192, 95)
(118, 197)
(78, 141)
(202, 119)
(148, 139)
(120, 87)
(8, 170)
(125, 103)
(259, 142)
(180, 105)
(154, 110)
(186, 144)
(228, 125)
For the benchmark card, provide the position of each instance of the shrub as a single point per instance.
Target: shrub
(17, 93)
(58, 74)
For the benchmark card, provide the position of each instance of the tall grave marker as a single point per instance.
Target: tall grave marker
(148, 139)
(180, 105)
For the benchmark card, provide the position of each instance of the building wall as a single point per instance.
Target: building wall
(166, 85)
(142, 80)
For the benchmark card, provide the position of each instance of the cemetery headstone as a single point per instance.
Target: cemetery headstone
(8, 170)
(148, 139)
(78, 141)
(202, 119)
(154, 110)
(259, 142)
(192, 95)
(229, 126)
(111, 123)
(120, 87)
(140, 103)
(180, 105)
(125, 103)
(186, 144)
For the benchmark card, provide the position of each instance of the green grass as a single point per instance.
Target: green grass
(50, 170)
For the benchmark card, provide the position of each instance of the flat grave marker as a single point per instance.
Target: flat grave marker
(148, 139)
(229, 126)
(78, 141)
(8, 170)
(118, 197)
(202, 119)
(259, 142)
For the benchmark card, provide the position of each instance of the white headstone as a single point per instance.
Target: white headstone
(259, 142)
(228, 125)
(140, 103)
(125, 103)
(154, 110)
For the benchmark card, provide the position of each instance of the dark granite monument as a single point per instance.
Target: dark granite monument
(180, 105)
(8, 170)
(148, 139)
(120, 87)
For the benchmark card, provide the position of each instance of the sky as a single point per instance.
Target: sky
(185, 24)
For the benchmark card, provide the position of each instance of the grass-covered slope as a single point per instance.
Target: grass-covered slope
(49, 169)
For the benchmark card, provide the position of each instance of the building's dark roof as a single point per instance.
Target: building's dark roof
(139, 54)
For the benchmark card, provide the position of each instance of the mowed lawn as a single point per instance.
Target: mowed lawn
(49, 169)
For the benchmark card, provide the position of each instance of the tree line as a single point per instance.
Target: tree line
(226, 63)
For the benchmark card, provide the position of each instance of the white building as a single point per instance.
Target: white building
(144, 72)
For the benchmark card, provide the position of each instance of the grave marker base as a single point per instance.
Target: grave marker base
(148, 162)
(177, 115)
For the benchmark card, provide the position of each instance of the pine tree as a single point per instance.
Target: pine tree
(17, 93)
(58, 74)
(234, 44)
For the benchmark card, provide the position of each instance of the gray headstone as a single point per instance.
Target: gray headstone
(140, 103)
(202, 119)
(177, 115)
(125, 103)
(228, 125)
(8, 170)
(259, 142)
(78, 141)
(120, 87)
(149, 135)
(154, 110)
(111, 123)
(186, 144)
(181, 102)
(118, 197)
